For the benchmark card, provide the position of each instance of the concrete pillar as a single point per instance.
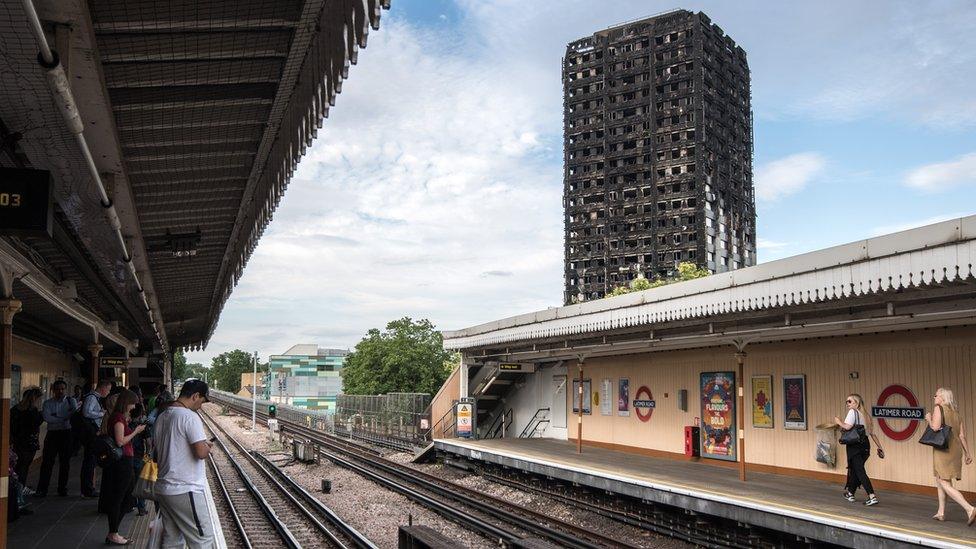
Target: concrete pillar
(463, 379)
(8, 308)
(740, 359)
(95, 349)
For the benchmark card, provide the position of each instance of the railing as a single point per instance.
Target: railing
(444, 428)
(396, 416)
(315, 419)
(501, 423)
(541, 417)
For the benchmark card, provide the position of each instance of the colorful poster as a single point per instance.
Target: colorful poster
(795, 400)
(623, 397)
(762, 402)
(718, 415)
(606, 403)
(587, 396)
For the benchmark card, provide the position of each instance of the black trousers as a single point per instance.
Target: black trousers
(856, 475)
(117, 483)
(57, 444)
(88, 470)
(25, 457)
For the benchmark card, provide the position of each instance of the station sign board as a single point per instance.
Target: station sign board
(912, 412)
(644, 403)
(25, 202)
(465, 418)
(516, 367)
(114, 362)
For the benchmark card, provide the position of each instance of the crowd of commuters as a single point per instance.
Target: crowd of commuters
(155, 425)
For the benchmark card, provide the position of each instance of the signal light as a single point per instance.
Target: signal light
(272, 410)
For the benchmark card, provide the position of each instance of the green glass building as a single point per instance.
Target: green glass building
(306, 376)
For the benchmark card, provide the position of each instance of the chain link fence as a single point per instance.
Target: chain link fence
(401, 419)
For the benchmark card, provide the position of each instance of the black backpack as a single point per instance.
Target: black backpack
(82, 428)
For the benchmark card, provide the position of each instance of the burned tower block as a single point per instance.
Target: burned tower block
(658, 153)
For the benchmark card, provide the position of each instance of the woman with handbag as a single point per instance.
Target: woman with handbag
(25, 428)
(856, 428)
(117, 475)
(947, 463)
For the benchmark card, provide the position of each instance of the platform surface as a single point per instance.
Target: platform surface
(69, 521)
(776, 499)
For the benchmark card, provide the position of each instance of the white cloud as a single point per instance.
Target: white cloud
(943, 176)
(766, 244)
(894, 228)
(788, 175)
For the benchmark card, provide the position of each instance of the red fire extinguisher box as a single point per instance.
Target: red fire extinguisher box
(692, 443)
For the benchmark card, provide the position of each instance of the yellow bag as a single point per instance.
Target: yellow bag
(146, 483)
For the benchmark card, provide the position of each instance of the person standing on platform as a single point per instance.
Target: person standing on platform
(92, 414)
(859, 452)
(57, 443)
(25, 429)
(181, 447)
(947, 464)
(118, 476)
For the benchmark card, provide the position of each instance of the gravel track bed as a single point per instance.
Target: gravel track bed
(536, 502)
(373, 510)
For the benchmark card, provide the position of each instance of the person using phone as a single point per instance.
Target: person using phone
(858, 453)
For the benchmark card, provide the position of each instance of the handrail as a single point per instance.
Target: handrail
(505, 418)
(429, 435)
(534, 423)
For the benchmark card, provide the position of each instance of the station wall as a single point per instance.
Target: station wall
(40, 366)
(921, 361)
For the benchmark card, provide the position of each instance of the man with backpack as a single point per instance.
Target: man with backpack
(87, 427)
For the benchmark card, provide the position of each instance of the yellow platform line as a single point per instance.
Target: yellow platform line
(720, 495)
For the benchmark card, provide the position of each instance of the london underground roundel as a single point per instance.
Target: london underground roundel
(644, 403)
(884, 412)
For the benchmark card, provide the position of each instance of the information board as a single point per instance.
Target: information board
(25, 202)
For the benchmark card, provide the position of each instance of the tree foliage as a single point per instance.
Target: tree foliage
(686, 271)
(408, 357)
(183, 370)
(226, 369)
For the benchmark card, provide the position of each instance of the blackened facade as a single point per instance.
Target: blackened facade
(658, 153)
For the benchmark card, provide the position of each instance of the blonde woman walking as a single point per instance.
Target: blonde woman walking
(947, 464)
(859, 452)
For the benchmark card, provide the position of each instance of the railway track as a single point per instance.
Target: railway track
(268, 509)
(496, 519)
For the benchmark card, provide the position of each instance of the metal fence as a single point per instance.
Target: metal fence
(315, 419)
(402, 417)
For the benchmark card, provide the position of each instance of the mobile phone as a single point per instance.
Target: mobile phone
(214, 439)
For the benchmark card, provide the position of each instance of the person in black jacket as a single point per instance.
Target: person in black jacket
(25, 428)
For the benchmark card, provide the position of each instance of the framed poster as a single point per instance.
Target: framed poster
(606, 403)
(795, 401)
(587, 396)
(623, 397)
(718, 415)
(762, 402)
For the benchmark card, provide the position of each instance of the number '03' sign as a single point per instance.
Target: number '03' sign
(25, 202)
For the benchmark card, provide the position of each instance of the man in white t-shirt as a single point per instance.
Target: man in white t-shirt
(181, 449)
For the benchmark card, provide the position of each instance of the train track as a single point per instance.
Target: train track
(268, 509)
(496, 519)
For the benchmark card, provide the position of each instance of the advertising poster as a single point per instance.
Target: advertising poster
(623, 397)
(795, 401)
(606, 403)
(762, 402)
(587, 396)
(718, 415)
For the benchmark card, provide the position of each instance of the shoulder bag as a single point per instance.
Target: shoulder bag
(937, 439)
(106, 450)
(856, 434)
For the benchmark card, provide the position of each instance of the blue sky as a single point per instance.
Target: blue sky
(434, 189)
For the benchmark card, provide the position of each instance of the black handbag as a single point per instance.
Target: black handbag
(854, 435)
(106, 450)
(937, 439)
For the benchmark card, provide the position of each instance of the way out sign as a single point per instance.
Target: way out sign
(465, 419)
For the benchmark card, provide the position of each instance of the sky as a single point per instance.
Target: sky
(434, 189)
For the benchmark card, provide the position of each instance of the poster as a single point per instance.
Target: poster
(587, 396)
(762, 402)
(623, 397)
(606, 403)
(718, 415)
(795, 401)
(465, 419)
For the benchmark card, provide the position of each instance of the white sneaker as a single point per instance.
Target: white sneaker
(873, 500)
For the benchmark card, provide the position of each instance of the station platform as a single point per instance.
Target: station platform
(73, 522)
(803, 507)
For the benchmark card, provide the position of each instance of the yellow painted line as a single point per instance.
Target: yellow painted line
(724, 496)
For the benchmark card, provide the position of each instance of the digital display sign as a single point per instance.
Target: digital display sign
(25, 202)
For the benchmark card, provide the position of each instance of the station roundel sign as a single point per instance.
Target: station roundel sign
(644, 403)
(912, 413)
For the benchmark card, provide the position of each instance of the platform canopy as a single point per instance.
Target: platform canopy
(195, 113)
(919, 278)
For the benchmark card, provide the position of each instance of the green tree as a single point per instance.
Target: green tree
(686, 271)
(226, 369)
(408, 357)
